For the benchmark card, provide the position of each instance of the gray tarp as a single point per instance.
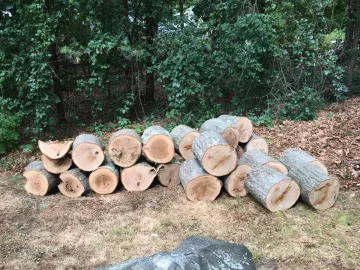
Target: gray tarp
(194, 253)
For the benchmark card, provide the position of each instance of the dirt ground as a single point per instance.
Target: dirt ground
(56, 232)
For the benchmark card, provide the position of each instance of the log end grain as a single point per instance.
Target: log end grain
(138, 177)
(185, 146)
(203, 188)
(277, 166)
(55, 149)
(219, 160)
(125, 149)
(245, 128)
(234, 184)
(36, 183)
(159, 149)
(88, 156)
(231, 136)
(325, 194)
(103, 181)
(71, 185)
(168, 174)
(56, 166)
(282, 195)
(257, 144)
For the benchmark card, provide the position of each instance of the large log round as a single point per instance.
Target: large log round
(104, 179)
(87, 152)
(56, 166)
(158, 145)
(294, 157)
(39, 181)
(55, 149)
(168, 174)
(214, 154)
(125, 147)
(138, 177)
(198, 185)
(74, 183)
(230, 133)
(183, 137)
(243, 125)
(256, 143)
(318, 189)
(272, 189)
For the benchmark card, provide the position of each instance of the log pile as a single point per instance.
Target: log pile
(224, 152)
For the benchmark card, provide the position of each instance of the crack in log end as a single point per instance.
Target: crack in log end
(282, 194)
(220, 163)
(187, 147)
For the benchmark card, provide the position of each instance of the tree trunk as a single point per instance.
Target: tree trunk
(183, 137)
(87, 152)
(105, 179)
(214, 154)
(158, 145)
(197, 184)
(318, 190)
(181, 9)
(56, 166)
(294, 157)
(125, 147)
(230, 133)
(256, 143)
(55, 149)
(138, 177)
(275, 191)
(168, 174)
(353, 57)
(243, 125)
(74, 183)
(39, 181)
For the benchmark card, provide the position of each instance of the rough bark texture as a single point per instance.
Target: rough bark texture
(152, 131)
(34, 166)
(295, 157)
(138, 177)
(168, 174)
(243, 125)
(56, 166)
(125, 147)
(74, 183)
(87, 152)
(183, 137)
(55, 149)
(198, 185)
(318, 190)
(258, 143)
(87, 138)
(260, 183)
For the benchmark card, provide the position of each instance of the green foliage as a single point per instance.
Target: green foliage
(346, 219)
(8, 125)
(27, 148)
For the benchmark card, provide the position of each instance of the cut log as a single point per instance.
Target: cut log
(158, 145)
(183, 137)
(214, 154)
(39, 181)
(318, 189)
(87, 152)
(125, 147)
(234, 183)
(230, 133)
(104, 179)
(239, 151)
(56, 166)
(272, 189)
(138, 177)
(295, 157)
(168, 174)
(55, 149)
(243, 125)
(258, 143)
(74, 183)
(198, 185)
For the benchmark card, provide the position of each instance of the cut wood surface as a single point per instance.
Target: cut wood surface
(234, 183)
(87, 152)
(272, 189)
(125, 147)
(230, 133)
(168, 174)
(55, 149)
(258, 143)
(56, 166)
(158, 145)
(138, 177)
(295, 157)
(239, 151)
(74, 183)
(38, 180)
(214, 154)
(243, 125)
(104, 179)
(197, 184)
(318, 189)
(183, 137)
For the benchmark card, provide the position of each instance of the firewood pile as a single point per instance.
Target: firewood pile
(224, 153)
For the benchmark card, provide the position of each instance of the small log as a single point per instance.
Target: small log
(318, 189)
(258, 143)
(214, 154)
(230, 133)
(294, 157)
(168, 174)
(39, 181)
(104, 179)
(87, 152)
(183, 137)
(272, 189)
(239, 151)
(55, 149)
(74, 183)
(56, 166)
(138, 177)
(243, 125)
(158, 145)
(198, 185)
(125, 147)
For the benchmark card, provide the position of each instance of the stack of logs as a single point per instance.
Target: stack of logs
(223, 153)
